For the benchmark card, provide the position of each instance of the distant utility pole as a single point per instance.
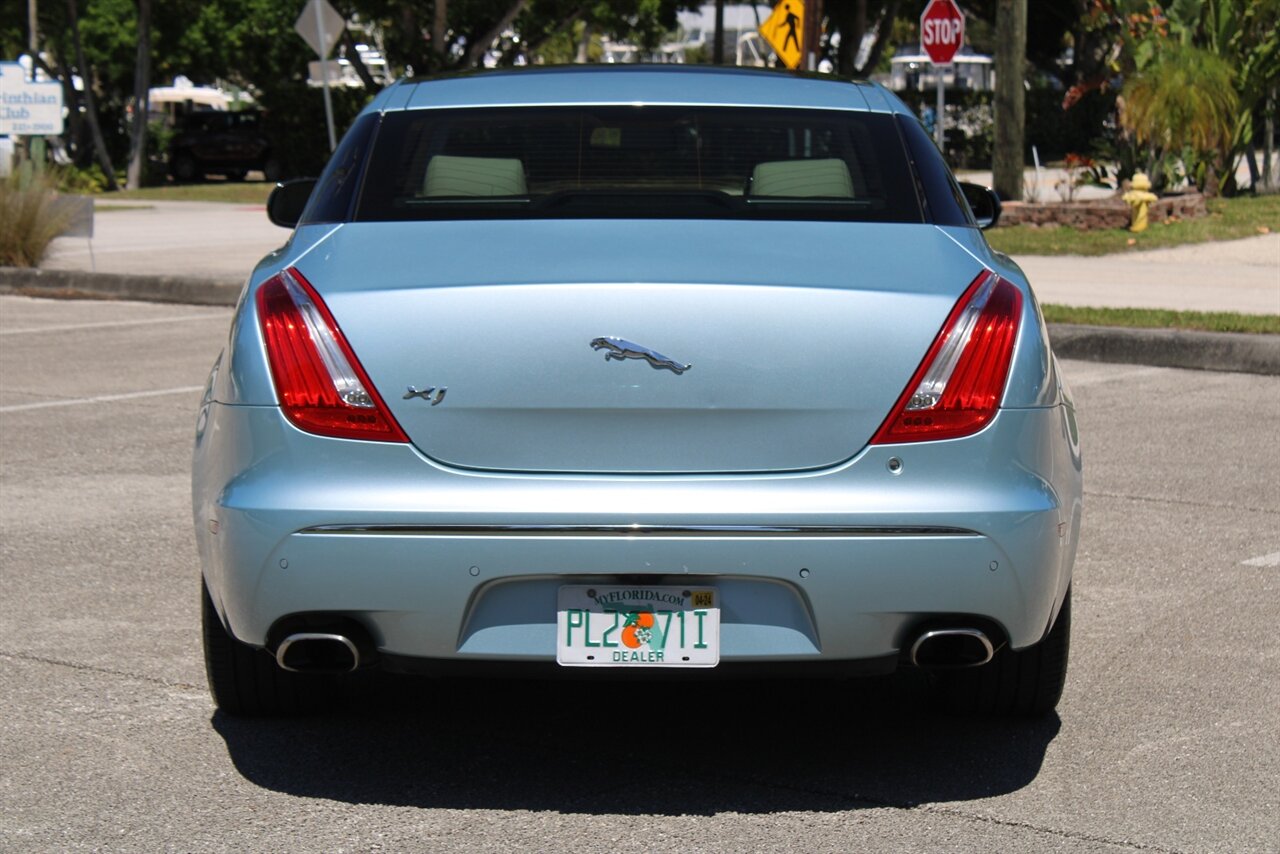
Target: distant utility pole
(28, 142)
(1010, 99)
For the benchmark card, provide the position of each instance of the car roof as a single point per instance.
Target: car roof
(637, 84)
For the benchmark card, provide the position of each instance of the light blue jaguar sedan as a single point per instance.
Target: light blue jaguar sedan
(650, 372)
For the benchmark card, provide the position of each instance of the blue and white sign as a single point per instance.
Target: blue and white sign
(27, 107)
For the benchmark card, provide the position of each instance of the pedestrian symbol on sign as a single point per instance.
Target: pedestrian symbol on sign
(791, 21)
(782, 31)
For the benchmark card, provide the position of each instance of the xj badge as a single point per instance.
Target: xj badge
(426, 393)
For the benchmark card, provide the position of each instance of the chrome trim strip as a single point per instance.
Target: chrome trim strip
(737, 105)
(745, 531)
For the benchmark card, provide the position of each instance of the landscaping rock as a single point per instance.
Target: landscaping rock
(1103, 213)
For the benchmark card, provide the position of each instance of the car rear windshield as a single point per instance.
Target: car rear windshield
(638, 161)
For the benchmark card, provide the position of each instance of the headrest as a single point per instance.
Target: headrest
(474, 176)
(828, 177)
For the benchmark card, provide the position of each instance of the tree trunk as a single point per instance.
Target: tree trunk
(91, 109)
(439, 24)
(353, 56)
(80, 153)
(418, 56)
(884, 35)
(141, 102)
(717, 50)
(812, 49)
(477, 50)
(1010, 99)
(1268, 144)
(843, 17)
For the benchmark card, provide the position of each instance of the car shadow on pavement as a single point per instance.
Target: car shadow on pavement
(640, 748)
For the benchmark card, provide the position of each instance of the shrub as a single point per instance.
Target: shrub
(1054, 131)
(29, 219)
(85, 182)
(294, 122)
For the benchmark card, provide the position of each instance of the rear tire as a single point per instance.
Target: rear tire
(187, 169)
(1025, 682)
(246, 680)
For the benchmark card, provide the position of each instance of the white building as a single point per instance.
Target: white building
(912, 69)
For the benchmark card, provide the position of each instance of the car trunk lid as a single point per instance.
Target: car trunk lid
(639, 347)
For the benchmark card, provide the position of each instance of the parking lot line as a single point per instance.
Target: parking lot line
(107, 324)
(104, 398)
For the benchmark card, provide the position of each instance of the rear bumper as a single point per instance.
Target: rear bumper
(819, 567)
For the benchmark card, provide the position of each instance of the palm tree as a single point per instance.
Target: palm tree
(1185, 98)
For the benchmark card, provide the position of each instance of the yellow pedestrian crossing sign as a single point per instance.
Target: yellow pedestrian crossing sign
(784, 31)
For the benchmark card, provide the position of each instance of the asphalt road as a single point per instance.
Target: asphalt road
(1166, 740)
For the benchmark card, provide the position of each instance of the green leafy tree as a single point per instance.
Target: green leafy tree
(1183, 99)
(252, 45)
(418, 41)
(1146, 39)
(853, 19)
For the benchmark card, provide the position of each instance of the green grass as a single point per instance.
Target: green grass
(1228, 219)
(98, 207)
(237, 192)
(1142, 318)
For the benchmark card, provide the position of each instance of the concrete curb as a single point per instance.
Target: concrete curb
(1169, 348)
(1166, 348)
(76, 284)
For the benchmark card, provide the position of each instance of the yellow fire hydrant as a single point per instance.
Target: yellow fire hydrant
(1139, 198)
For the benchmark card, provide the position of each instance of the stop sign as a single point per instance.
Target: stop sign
(941, 30)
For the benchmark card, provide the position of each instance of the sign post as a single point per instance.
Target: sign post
(320, 26)
(941, 34)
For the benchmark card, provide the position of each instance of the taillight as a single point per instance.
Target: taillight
(321, 386)
(958, 386)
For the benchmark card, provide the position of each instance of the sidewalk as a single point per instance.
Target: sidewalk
(204, 251)
(203, 240)
(1236, 275)
(219, 242)
(1233, 275)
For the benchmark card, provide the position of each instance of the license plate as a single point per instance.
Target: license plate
(638, 626)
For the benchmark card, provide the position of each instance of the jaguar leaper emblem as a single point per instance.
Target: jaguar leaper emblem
(620, 348)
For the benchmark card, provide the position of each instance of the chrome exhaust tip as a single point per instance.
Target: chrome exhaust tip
(316, 652)
(952, 648)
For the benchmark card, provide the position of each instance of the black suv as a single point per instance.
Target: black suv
(221, 143)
